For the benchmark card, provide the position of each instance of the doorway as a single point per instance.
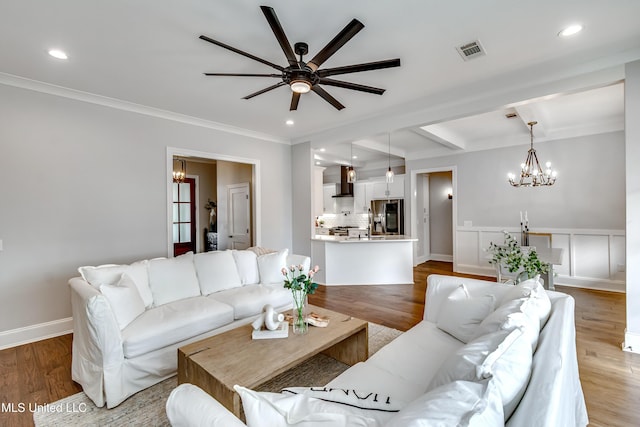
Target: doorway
(433, 212)
(229, 170)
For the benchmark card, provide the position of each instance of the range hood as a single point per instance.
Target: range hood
(344, 188)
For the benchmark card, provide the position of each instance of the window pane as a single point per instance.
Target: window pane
(176, 218)
(175, 192)
(176, 236)
(185, 233)
(185, 212)
(185, 193)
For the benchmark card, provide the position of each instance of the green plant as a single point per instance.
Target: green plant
(511, 256)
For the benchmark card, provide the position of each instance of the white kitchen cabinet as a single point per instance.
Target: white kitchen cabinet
(396, 188)
(318, 192)
(362, 192)
(329, 202)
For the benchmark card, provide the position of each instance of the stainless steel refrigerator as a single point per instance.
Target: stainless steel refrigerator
(387, 216)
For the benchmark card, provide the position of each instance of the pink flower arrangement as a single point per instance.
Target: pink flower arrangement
(296, 280)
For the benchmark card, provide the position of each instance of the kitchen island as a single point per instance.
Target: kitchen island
(375, 260)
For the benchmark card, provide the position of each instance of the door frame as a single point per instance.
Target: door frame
(256, 195)
(454, 210)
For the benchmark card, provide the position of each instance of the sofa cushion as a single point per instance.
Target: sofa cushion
(109, 274)
(172, 279)
(271, 265)
(273, 409)
(503, 355)
(460, 403)
(124, 299)
(532, 287)
(247, 265)
(250, 300)
(461, 314)
(172, 323)
(216, 271)
(518, 313)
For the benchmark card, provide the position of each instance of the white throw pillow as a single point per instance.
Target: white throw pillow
(519, 313)
(272, 409)
(247, 265)
(270, 267)
(124, 299)
(461, 314)
(504, 356)
(109, 274)
(460, 403)
(173, 279)
(532, 287)
(216, 271)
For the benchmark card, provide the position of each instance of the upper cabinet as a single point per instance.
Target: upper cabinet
(329, 202)
(396, 188)
(362, 193)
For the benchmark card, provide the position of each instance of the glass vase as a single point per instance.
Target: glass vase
(300, 325)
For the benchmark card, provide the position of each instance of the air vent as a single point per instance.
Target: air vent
(471, 50)
(511, 115)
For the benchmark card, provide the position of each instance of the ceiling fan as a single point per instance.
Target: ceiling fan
(303, 77)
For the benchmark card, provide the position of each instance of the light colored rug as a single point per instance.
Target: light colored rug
(147, 408)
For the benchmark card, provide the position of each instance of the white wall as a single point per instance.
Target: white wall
(632, 147)
(303, 192)
(585, 208)
(88, 186)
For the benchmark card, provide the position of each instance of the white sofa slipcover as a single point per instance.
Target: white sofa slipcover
(112, 362)
(405, 367)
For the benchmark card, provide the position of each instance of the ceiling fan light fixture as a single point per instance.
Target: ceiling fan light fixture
(300, 86)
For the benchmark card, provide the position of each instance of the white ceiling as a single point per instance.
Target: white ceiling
(148, 52)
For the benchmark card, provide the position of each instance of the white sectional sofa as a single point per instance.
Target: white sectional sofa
(129, 320)
(484, 354)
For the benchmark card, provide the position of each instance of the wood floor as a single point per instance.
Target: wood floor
(40, 372)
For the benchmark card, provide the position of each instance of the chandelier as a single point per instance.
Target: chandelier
(531, 174)
(179, 170)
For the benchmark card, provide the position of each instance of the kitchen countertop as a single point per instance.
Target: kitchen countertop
(372, 239)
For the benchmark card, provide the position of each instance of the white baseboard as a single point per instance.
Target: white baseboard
(441, 257)
(631, 342)
(29, 334)
(588, 283)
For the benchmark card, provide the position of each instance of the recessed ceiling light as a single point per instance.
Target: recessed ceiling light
(289, 122)
(57, 53)
(355, 157)
(571, 30)
(323, 150)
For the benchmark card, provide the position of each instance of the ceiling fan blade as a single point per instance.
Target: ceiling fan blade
(377, 65)
(354, 86)
(324, 95)
(273, 21)
(338, 41)
(267, 89)
(241, 52)
(295, 98)
(242, 75)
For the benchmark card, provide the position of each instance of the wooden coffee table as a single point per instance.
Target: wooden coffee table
(217, 363)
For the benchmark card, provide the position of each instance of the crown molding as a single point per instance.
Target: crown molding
(51, 89)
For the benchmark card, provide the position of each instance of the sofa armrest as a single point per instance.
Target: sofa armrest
(97, 342)
(190, 406)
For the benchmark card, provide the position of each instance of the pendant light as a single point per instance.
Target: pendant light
(351, 172)
(179, 170)
(531, 174)
(389, 174)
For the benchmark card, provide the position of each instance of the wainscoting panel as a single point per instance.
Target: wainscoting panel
(592, 259)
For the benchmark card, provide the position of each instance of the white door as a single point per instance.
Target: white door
(239, 218)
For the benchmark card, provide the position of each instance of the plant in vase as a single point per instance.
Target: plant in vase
(511, 256)
(301, 285)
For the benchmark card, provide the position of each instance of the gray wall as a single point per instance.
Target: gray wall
(589, 192)
(88, 186)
